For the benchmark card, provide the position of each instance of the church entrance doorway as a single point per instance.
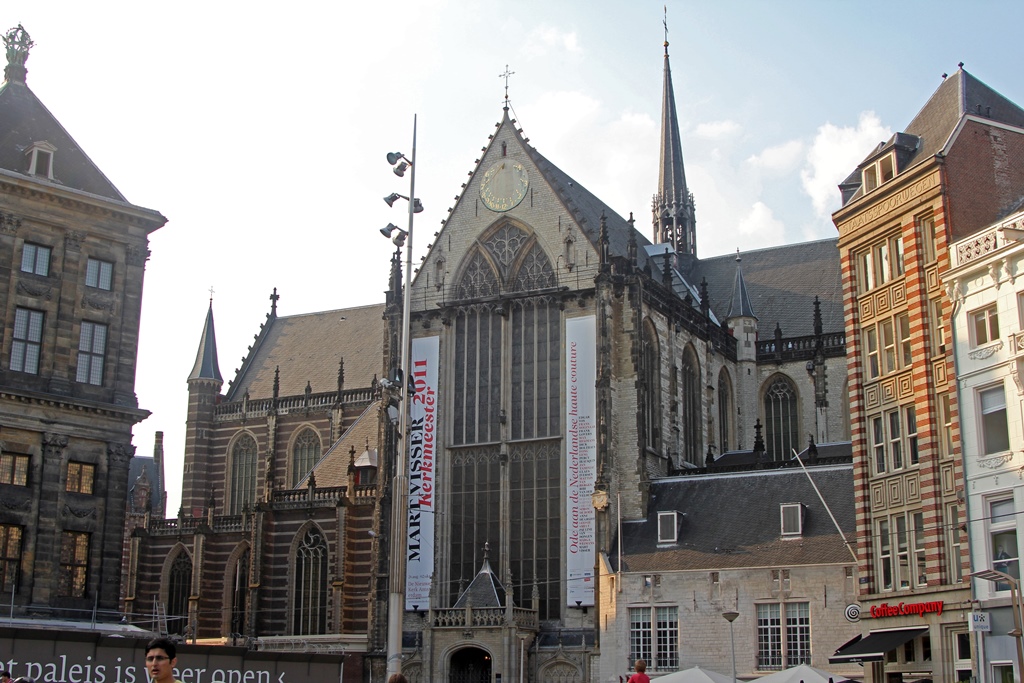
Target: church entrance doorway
(470, 665)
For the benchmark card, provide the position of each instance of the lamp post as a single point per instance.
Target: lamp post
(997, 577)
(400, 489)
(731, 617)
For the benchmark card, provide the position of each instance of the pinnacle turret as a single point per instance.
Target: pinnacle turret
(206, 366)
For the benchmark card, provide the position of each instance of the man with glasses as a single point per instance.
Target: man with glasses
(161, 658)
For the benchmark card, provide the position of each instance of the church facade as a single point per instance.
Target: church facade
(562, 364)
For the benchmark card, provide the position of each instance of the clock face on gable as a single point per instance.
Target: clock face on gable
(504, 185)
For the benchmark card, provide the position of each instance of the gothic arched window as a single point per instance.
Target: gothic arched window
(179, 588)
(691, 407)
(781, 411)
(650, 375)
(507, 381)
(243, 474)
(724, 411)
(305, 455)
(310, 611)
(239, 587)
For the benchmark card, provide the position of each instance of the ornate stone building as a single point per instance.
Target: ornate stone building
(273, 544)
(562, 365)
(72, 260)
(957, 168)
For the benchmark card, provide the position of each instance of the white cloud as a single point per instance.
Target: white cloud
(835, 152)
(760, 227)
(545, 39)
(782, 157)
(717, 130)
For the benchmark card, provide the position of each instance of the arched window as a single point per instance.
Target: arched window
(507, 374)
(724, 411)
(691, 408)
(179, 588)
(781, 410)
(650, 375)
(310, 611)
(305, 455)
(239, 588)
(243, 474)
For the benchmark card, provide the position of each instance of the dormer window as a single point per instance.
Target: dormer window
(879, 172)
(40, 159)
(792, 519)
(668, 527)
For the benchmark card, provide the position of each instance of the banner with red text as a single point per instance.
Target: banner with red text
(422, 480)
(580, 457)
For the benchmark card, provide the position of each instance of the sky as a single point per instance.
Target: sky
(260, 130)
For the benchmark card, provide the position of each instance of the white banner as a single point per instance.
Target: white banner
(422, 482)
(581, 457)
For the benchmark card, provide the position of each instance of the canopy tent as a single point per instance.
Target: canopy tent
(801, 674)
(694, 675)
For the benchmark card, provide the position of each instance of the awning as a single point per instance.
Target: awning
(873, 646)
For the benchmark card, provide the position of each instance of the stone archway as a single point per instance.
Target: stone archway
(470, 665)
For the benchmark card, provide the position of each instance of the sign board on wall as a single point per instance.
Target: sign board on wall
(84, 657)
(422, 472)
(580, 457)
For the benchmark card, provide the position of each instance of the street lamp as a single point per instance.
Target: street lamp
(997, 577)
(731, 617)
(400, 489)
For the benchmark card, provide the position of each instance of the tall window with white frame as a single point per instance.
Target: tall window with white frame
(35, 259)
(995, 435)
(900, 551)
(27, 340)
(798, 633)
(92, 345)
(955, 564)
(1002, 533)
(99, 274)
(984, 325)
(310, 617)
(654, 636)
(769, 637)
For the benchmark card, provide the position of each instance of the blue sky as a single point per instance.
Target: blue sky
(260, 129)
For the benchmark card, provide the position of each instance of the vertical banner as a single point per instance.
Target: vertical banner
(581, 457)
(422, 483)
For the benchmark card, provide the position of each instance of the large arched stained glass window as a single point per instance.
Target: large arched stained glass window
(179, 588)
(239, 587)
(650, 374)
(725, 409)
(243, 474)
(781, 410)
(310, 611)
(305, 454)
(691, 408)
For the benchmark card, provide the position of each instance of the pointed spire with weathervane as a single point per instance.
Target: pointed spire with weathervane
(674, 216)
(739, 306)
(206, 366)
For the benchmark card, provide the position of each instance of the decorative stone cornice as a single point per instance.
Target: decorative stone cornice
(985, 351)
(996, 462)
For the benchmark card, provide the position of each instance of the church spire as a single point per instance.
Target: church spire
(739, 306)
(206, 366)
(674, 219)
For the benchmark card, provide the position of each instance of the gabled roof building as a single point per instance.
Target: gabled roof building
(957, 168)
(73, 252)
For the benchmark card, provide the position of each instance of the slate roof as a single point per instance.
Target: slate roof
(308, 348)
(781, 283)
(485, 590)
(206, 365)
(733, 521)
(27, 120)
(957, 96)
